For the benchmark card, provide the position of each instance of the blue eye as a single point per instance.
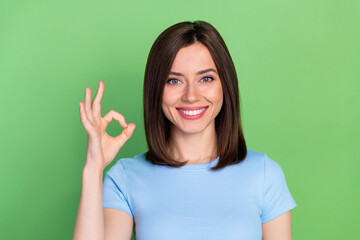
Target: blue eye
(207, 79)
(173, 81)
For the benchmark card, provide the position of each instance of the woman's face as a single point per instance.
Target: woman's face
(193, 95)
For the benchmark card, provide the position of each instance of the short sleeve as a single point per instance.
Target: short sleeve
(114, 189)
(276, 197)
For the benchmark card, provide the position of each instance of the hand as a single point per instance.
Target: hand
(101, 148)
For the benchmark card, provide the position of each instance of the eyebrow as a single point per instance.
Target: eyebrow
(198, 73)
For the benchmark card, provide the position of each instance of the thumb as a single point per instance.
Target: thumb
(129, 130)
(125, 134)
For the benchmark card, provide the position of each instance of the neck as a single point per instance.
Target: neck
(195, 148)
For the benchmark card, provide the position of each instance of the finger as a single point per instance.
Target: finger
(84, 119)
(96, 105)
(88, 104)
(125, 134)
(129, 130)
(113, 115)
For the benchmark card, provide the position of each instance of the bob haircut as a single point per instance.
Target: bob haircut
(231, 146)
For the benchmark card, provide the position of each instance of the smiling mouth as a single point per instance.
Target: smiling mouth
(192, 112)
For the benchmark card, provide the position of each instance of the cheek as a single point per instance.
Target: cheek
(218, 97)
(167, 101)
(168, 97)
(215, 94)
(221, 96)
(220, 93)
(165, 98)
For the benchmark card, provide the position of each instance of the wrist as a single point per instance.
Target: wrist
(93, 171)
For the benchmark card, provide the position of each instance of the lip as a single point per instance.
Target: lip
(191, 108)
(192, 117)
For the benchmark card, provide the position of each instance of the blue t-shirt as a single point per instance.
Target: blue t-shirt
(192, 202)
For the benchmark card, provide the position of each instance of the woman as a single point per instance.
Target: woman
(197, 180)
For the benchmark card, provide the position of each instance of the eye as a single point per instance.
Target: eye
(173, 81)
(207, 79)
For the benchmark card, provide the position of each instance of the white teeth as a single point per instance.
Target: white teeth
(191, 113)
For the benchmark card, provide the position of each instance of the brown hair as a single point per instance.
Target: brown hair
(231, 145)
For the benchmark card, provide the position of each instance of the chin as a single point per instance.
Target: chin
(192, 128)
(195, 131)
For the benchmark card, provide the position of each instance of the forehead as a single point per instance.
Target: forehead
(193, 58)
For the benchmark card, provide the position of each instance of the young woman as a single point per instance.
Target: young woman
(198, 180)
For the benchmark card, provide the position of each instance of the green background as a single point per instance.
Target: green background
(298, 69)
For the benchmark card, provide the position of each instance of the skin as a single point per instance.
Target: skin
(278, 229)
(195, 140)
(193, 90)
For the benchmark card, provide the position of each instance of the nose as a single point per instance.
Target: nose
(192, 93)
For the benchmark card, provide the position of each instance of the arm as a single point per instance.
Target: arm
(91, 221)
(90, 217)
(95, 222)
(118, 224)
(278, 229)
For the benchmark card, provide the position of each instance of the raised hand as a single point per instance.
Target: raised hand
(101, 148)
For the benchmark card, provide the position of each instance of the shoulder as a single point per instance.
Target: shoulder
(255, 159)
(124, 164)
(261, 164)
(262, 160)
(254, 155)
(137, 163)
